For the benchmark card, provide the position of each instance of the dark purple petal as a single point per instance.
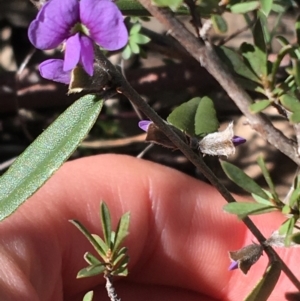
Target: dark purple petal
(72, 53)
(234, 265)
(53, 70)
(53, 23)
(87, 54)
(144, 124)
(237, 140)
(104, 22)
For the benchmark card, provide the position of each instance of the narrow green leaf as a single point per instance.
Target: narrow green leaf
(122, 269)
(266, 6)
(256, 58)
(121, 232)
(206, 117)
(296, 69)
(126, 53)
(88, 296)
(291, 103)
(47, 153)
(287, 229)
(267, 177)
(260, 200)
(89, 237)
(258, 34)
(294, 197)
(236, 63)
(183, 117)
(119, 256)
(135, 29)
(90, 271)
(101, 243)
(91, 259)
(173, 4)
(241, 179)
(244, 209)
(140, 39)
(260, 105)
(106, 223)
(134, 47)
(219, 23)
(245, 7)
(266, 284)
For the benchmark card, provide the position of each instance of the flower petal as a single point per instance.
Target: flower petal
(53, 23)
(105, 23)
(144, 124)
(234, 265)
(72, 53)
(237, 140)
(87, 54)
(53, 70)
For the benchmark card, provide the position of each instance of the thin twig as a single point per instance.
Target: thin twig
(125, 88)
(111, 291)
(205, 54)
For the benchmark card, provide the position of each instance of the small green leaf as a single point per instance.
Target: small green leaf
(258, 34)
(88, 296)
(101, 243)
(126, 53)
(119, 256)
(135, 29)
(219, 23)
(122, 269)
(183, 117)
(266, 284)
(245, 7)
(244, 209)
(173, 4)
(89, 237)
(287, 229)
(266, 6)
(91, 259)
(105, 222)
(206, 117)
(242, 180)
(260, 105)
(291, 103)
(296, 69)
(121, 232)
(256, 58)
(267, 177)
(236, 63)
(294, 197)
(90, 271)
(260, 200)
(47, 153)
(140, 39)
(134, 47)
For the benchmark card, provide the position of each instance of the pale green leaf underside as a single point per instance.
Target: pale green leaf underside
(47, 153)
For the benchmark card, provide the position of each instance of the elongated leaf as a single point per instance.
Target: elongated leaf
(242, 180)
(267, 177)
(219, 23)
(88, 296)
(206, 117)
(260, 105)
(297, 27)
(106, 223)
(90, 271)
(91, 259)
(47, 153)
(119, 256)
(242, 8)
(266, 284)
(256, 58)
(260, 200)
(290, 102)
(258, 34)
(244, 209)
(295, 117)
(266, 6)
(122, 232)
(236, 63)
(101, 243)
(122, 269)
(294, 197)
(183, 117)
(89, 236)
(287, 229)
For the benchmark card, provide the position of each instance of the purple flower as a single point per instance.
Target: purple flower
(78, 24)
(237, 140)
(53, 70)
(144, 124)
(234, 265)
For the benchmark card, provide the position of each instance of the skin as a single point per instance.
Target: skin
(178, 243)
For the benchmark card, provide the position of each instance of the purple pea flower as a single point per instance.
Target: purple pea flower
(78, 24)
